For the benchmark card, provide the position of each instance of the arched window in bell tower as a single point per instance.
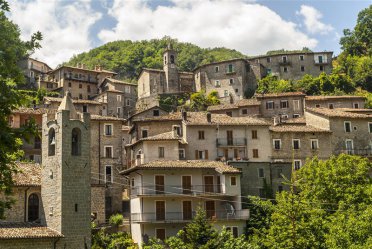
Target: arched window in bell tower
(51, 142)
(76, 142)
(33, 207)
(172, 59)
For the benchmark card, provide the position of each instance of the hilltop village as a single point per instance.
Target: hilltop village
(107, 146)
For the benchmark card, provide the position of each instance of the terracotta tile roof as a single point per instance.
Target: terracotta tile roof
(84, 69)
(159, 137)
(316, 98)
(26, 230)
(120, 82)
(29, 175)
(288, 53)
(108, 118)
(24, 110)
(75, 101)
(278, 95)
(240, 103)
(300, 120)
(168, 117)
(297, 128)
(334, 113)
(185, 164)
(200, 118)
(113, 91)
(150, 108)
(356, 110)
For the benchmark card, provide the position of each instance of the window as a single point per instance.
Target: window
(118, 98)
(261, 173)
(210, 209)
(285, 69)
(233, 180)
(88, 88)
(284, 59)
(132, 182)
(160, 233)
(261, 193)
(181, 154)
(187, 210)
(314, 144)
(321, 68)
(127, 89)
(177, 129)
(108, 129)
(370, 127)
(155, 113)
(217, 83)
(201, 154)
(347, 125)
(226, 93)
(245, 111)
(317, 106)
(296, 115)
(356, 105)
(233, 230)
(320, 59)
(33, 207)
(268, 71)
(284, 104)
(128, 102)
(216, 69)
(80, 86)
(118, 110)
(254, 134)
(230, 68)
(172, 59)
(85, 108)
(255, 153)
(69, 84)
(330, 106)
(144, 133)
(279, 173)
(236, 90)
(296, 164)
(201, 135)
(301, 57)
(302, 68)
(76, 142)
(160, 210)
(161, 152)
(108, 174)
(52, 142)
(349, 145)
(270, 105)
(296, 144)
(231, 81)
(268, 59)
(108, 151)
(277, 144)
(80, 96)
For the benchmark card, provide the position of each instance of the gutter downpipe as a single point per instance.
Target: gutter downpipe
(25, 212)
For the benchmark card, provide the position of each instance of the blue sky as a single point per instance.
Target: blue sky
(250, 26)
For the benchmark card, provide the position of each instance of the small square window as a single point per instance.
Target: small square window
(255, 153)
(296, 144)
(217, 83)
(216, 69)
(155, 113)
(261, 173)
(302, 68)
(245, 111)
(285, 69)
(321, 68)
(233, 180)
(144, 133)
(284, 104)
(330, 106)
(268, 59)
(277, 144)
(270, 105)
(201, 135)
(108, 129)
(301, 57)
(356, 106)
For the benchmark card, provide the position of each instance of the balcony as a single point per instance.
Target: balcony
(284, 63)
(320, 62)
(225, 142)
(180, 217)
(357, 152)
(194, 190)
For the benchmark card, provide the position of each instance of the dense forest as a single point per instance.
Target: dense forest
(127, 58)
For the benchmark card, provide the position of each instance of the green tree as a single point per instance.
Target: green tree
(12, 51)
(271, 84)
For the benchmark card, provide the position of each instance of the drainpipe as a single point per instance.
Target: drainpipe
(99, 152)
(25, 209)
(55, 243)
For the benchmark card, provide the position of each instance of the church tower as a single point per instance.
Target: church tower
(170, 69)
(66, 174)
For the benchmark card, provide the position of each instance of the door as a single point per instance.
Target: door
(159, 184)
(186, 210)
(349, 146)
(186, 184)
(229, 137)
(160, 210)
(160, 233)
(218, 184)
(208, 184)
(210, 209)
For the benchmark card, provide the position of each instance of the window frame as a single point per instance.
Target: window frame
(105, 152)
(112, 129)
(161, 152)
(263, 172)
(301, 57)
(255, 153)
(293, 144)
(217, 83)
(317, 143)
(284, 106)
(254, 134)
(118, 98)
(184, 153)
(216, 69)
(356, 105)
(112, 175)
(231, 81)
(294, 164)
(233, 183)
(201, 135)
(350, 129)
(280, 143)
(270, 102)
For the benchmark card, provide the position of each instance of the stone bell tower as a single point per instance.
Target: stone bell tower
(170, 69)
(66, 174)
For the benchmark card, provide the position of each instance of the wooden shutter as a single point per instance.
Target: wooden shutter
(196, 154)
(206, 154)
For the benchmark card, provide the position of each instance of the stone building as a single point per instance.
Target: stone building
(165, 195)
(118, 96)
(81, 105)
(241, 108)
(331, 102)
(81, 82)
(291, 66)
(34, 70)
(57, 206)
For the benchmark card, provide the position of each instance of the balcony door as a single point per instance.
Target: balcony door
(159, 184)
(229, 135)
(186, 184)
(210, 209)
(349, 146)
(208, 184)
(186, 210)
(160, 210)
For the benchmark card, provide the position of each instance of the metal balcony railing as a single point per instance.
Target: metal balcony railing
(169, 217)
(231, 142)
(359, 152)
(177, 190)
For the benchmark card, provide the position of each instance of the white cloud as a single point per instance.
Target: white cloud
(243, 25)
(64, 25)
(312, 21)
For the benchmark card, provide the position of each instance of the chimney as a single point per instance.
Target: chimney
(184, 115)
(209, 117)
(277, 120)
